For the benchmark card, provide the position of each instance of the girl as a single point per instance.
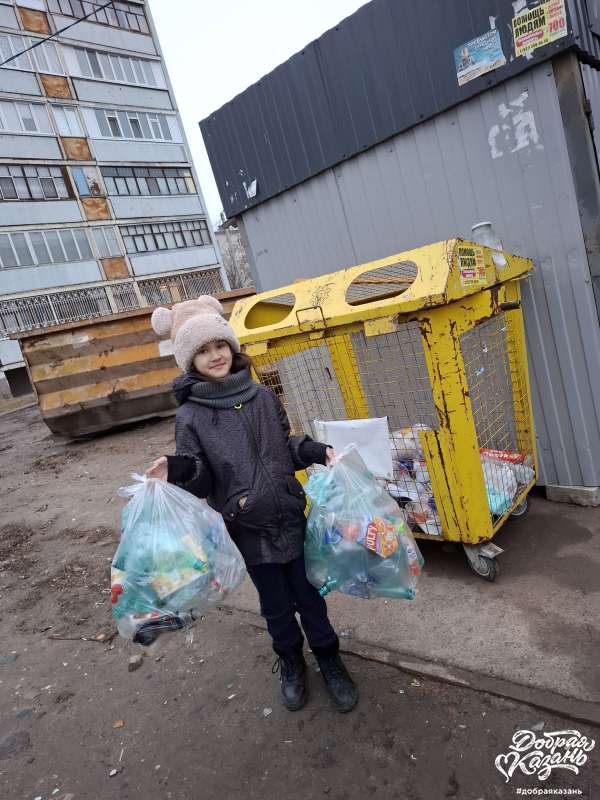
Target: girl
(234, 448)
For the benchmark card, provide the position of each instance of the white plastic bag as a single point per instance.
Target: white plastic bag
(501, 486)
(370, 436)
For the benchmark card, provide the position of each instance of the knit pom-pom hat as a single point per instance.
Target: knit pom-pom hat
(191, 325)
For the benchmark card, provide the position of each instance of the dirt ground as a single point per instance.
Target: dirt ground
(201, 717)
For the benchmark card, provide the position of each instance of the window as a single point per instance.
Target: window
(94, 64)
(82, 242)
(164, 126)
(22, 249)
(68, 242)
(156, 131)
(113, 124)
(25, 112)
(105, 65)
(148, 181)
(7, 254)
(86, 181)
(120, 15)
(136, 127)
(7, 187)
(67, 121)
(83, 62)
(17, 117)
(115, 63)
(137, 71)
(40, 249)
(149, 74)
(44, 58)
(54, 245)
(46, 183)
(128, 70)
(24, 117)
(165, 235)
(132, 125)
(31, 248)
(106, 241)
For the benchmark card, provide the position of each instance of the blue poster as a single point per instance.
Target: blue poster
(479, 56)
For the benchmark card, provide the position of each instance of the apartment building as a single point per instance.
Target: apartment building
(100, 206)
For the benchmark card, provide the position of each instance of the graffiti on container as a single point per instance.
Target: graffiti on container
(517, 129)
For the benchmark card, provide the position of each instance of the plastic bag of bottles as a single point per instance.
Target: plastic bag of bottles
(357, 540)
(175, 559)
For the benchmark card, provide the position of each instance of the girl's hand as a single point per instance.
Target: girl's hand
(330, 454)
(159, 469)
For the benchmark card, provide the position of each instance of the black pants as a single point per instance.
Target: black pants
(283, 590)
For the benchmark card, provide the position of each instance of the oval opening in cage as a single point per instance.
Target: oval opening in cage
(381, 283)
(271, 311)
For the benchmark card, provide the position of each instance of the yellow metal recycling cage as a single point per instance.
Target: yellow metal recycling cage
(433, 340)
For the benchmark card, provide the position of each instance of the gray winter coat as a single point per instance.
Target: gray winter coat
(228, 454)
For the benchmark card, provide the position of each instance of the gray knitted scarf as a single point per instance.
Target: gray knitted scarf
(232, 391)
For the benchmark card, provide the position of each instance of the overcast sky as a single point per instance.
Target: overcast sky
(214, 54)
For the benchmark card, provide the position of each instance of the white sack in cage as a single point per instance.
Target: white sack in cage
(371, 437)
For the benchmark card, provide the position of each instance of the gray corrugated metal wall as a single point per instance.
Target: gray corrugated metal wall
(585, 18)
(591, 82)
(385, 68)
(434, 182)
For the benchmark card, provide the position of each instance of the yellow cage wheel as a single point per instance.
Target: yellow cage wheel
(484, 566)
(521, 510)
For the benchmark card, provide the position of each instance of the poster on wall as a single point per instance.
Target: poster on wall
(471, 265)
(537, 27)
(478, 56)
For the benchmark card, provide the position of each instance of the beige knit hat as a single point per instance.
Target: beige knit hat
(191, 325)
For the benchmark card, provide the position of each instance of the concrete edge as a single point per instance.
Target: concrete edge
(544, 699)
(588, 496)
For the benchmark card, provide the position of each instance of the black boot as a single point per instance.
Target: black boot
(292, 674)
(340, 685)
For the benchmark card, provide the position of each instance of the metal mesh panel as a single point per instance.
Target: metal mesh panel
(390, 368)
(381, 282)
(492, 393)
(485, 353)
(354, 376)
(306, 383)
(521, 399)
(394, 377)
(283, 299)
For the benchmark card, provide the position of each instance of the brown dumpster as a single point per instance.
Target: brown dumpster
(96, 374)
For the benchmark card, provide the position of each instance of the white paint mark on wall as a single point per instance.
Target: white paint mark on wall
(250, 189)
(517, 131)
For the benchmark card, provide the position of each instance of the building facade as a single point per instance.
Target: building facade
(100, 206)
